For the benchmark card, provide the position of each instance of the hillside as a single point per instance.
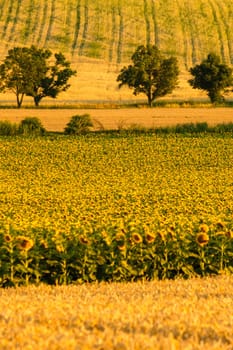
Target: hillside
(100, 39)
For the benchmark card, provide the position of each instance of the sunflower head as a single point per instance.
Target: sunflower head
(150, 238)
(137, 238)
(121, 247)
(220, 224)
(24, 243)
(8, 238)
(162, 235)
(202, 239)
(229, 234)
(84, 240)
(60, 248)
(204, 228)
(120, 237)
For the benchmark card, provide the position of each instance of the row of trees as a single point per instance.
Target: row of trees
(155, 76)
(39, 73)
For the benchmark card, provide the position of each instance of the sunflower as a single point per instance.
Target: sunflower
(202, 239)
(162, 235)
(24, 243)
(137, 238)
(44, 244)
(150, 238)
(204, 228)
(83, 240)
(8, 238)
(120, 239)
(171, 234)
(229, 234)
(121, 246)
(120, 236)
(60, 248)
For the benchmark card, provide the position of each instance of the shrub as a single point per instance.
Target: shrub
(191, 128)
(79, 124)
(8, 129)
(31, 126)
(224, 127)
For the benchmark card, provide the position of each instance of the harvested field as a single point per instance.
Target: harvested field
(56, 119)
(167, 315)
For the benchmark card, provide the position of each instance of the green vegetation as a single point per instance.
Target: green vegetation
(150, 74)
(116, 207)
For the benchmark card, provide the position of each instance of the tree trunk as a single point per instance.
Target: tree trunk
(149, 100)
(37, 100)
(19, 99)
(150, 97)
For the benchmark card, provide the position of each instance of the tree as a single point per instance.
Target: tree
(212, 76)
(33, 72)
(151, 73)
(53, 81)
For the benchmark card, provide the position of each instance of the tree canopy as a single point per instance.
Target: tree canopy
(212, 76)
(34, 72)
(150, 73)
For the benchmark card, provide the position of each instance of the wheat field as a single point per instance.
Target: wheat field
(166, 315)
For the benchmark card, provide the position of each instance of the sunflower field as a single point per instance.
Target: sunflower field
(115, 207)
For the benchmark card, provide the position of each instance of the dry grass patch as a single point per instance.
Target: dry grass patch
(191, 314)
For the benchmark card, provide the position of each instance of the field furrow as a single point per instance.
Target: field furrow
(37, 22)
(155, 24)
(2, 4)
(77, 27)
(121, 32)
(147, 23)
(65, 13)
(193, 34)
(85, 27)
(52, 16)
(184, 36)
(43, 23)
(113, 33)
(28, 31)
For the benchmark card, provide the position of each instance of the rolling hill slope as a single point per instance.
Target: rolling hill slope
(99, 36)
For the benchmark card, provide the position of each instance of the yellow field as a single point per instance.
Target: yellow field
(166, 315)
